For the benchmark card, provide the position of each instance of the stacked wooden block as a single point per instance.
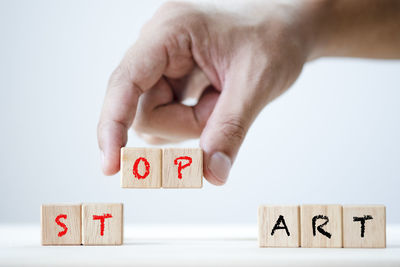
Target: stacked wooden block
(86, 224)
(322, 226)
(156, 168)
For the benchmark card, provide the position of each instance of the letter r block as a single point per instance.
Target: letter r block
(102, 224)
(278, 226)
(321, 226)
(61, 224)
(364, 226)
(182, 168)
(141, 167)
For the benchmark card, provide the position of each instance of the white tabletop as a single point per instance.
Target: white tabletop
(185, 245)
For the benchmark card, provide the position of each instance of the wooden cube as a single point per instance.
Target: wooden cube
(321, 226)
(141, 167)
(364, 226)
(182, 168)
(102, 224)
(61, 224)
(278, 226)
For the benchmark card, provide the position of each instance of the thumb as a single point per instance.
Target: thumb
(226, 128)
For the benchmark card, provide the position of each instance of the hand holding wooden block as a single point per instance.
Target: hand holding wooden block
(182, 168)
(321, 226)
(102, 224)
(141, 167)
(364, 226)
(61, 224)
(279, 226)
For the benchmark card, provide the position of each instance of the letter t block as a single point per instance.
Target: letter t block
(182, 168)
(140, 167)
(102, 224)
(364, 226)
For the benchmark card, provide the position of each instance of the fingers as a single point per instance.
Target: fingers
(228, 124)
(141, 68)
(160, 115)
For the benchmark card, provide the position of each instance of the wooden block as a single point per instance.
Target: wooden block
(141, 167)
(182, 168)
(102, 224)
(278, 226)
(364, 226)
(321, 226)
(61, 224)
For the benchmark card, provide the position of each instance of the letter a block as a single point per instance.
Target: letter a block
(61, 224)
(102, 224)
(141, 167)
(364, 226)
(321, 226)
(182, 168)
(279, 226)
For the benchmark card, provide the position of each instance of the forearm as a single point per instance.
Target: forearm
(347, 28)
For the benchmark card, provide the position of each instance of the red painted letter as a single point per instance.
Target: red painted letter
(102, 219)
(178, 161)
(135, 168)
(64, 216)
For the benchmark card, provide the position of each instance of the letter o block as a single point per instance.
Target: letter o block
(321, 226)
(141, 167)
(182, 168)
(278, 226)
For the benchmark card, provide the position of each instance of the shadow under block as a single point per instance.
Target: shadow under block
(364, 226)
(141, 167)
(102, 224)
(61, 224)
(278, 226)
(321, 226)
(182, 168)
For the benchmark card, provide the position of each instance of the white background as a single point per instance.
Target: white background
(333, 138)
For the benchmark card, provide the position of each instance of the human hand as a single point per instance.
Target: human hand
(235, 62)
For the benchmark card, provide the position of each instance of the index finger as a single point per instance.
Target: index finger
(140, 69)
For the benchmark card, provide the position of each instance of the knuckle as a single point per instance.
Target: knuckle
(233, 128)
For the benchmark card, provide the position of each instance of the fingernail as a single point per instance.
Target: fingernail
(220, 165)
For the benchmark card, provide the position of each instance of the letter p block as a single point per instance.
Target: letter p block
(182, 168)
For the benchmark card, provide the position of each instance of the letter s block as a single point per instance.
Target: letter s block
(182, 168)
(140, 167)
(102, 224)
(278, 226)
(364, 226)
(61, 224)
(321, 226)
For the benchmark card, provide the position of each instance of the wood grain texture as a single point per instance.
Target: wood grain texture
(128, 158)
(333, 227)
(50, 228)
(268, 217)
(191, 176)
(113, 227)
(374, 234)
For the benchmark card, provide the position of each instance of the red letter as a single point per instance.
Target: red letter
(180, 166)
(135, 168)
(102, 219)
(64, 216)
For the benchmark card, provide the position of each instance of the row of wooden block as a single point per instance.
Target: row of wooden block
(156, 168)
(322, 226)
(82, 224)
